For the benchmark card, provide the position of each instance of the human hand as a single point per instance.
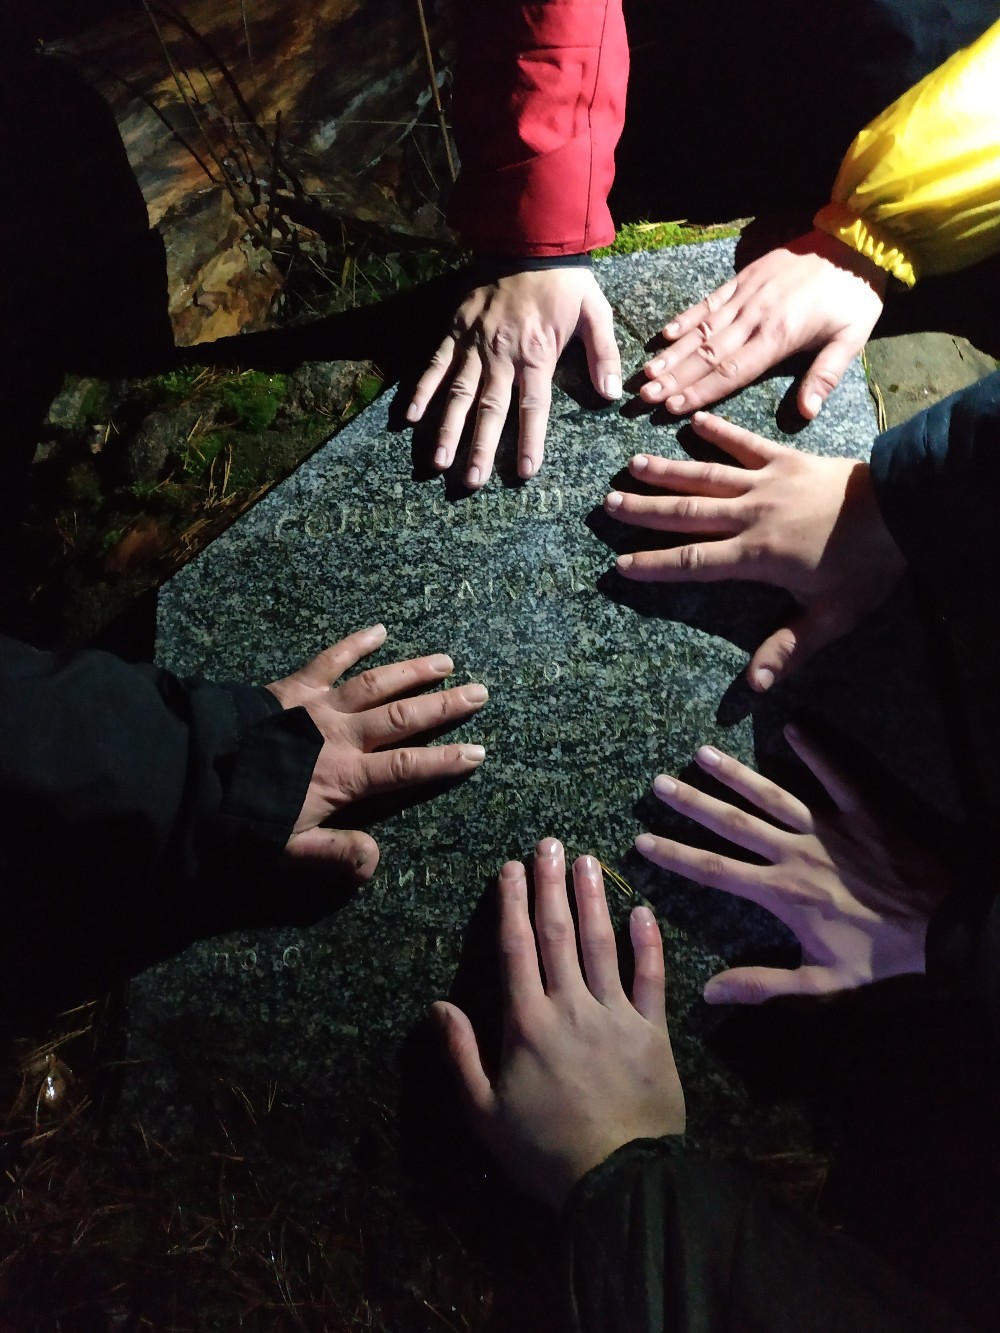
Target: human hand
(363, 723)
(512, 332)
(583, 1069)
(814, 294)
(855, 894)
(807, 524)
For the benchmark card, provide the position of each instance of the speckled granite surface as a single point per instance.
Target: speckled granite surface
(595, 687)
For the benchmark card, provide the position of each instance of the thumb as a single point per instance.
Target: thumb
(754, 985)
(463, 1050)
(597, 330)
(354, 852)
(790, 647)
(826, 371)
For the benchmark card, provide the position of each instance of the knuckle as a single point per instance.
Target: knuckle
(827, 379)
(691, 558)
(492, 403)
(729, 369)
(753, 990)
(368, 683)
(403, 765)
(400, 714)
(712, 867)
(554, 932)
(708, 354)
(501, 341)
(461, 392)
(689, 507)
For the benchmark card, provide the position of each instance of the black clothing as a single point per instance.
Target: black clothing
(124, 791)
(937, 483)
(660, 1242)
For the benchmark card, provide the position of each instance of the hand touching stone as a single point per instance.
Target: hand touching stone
(511, 333)
(584, 1070)
(856, 896)
(814, 294)
(364, 723)
(807, 524)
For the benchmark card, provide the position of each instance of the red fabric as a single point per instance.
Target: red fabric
(539, 108)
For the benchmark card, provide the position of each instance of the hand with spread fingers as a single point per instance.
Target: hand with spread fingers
(365, 723)
(814, 294)
(856, 895)
(584, 1069)
(511, 334)
(807, 524)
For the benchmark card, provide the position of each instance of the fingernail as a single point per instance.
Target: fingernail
(656, 366)
(623, 562)
(813, 403)
(792, 732)
(475, 694)
(360, 859)
(612, 386)
(379, 629)
(645, 844)
(676, 403)
(644, 917)
(526, 468)
(441, 457)
(473, 754)
(442, 664)
(715, 994)
(664, 786)
(709, 756)
(412, 412)
(652, 390)
(699, 416)
(639, 463)
(672, 330)
(764, 679)
(588, 864)
(473, 478)
(511, 870)
(549, 847)
(613, 500)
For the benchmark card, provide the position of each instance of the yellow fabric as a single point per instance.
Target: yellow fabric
(919, 189)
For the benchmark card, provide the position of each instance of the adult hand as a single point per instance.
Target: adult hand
(364, 723)
(855, 895)
(815, 293)
(509, 333)
(583, 1069)
(807, 524)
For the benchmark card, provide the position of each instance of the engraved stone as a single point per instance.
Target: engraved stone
(595, 686)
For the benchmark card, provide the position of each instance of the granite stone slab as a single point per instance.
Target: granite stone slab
(596, 685)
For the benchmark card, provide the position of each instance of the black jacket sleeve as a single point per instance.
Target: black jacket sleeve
(937, 483)
(663, 1242)
(122, 788)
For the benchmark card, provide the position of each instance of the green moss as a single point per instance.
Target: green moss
(200, 451)
(177, 386)
(366, 391)
(638, 236)
(252, 398)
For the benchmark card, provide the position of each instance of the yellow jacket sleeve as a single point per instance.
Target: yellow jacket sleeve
(919, 189)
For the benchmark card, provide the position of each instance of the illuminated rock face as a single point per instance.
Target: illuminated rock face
(282, 112)
(595, 687)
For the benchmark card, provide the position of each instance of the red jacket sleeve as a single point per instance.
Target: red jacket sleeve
(539, 107)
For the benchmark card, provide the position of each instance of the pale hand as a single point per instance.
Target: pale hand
(584, 1070)
(365, 723)
(855, 895)
(807, 524)
(511, 334)
(814, 294)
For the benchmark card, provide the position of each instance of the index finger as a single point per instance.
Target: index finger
(522, 978)
(693, 316)
(432, 378)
